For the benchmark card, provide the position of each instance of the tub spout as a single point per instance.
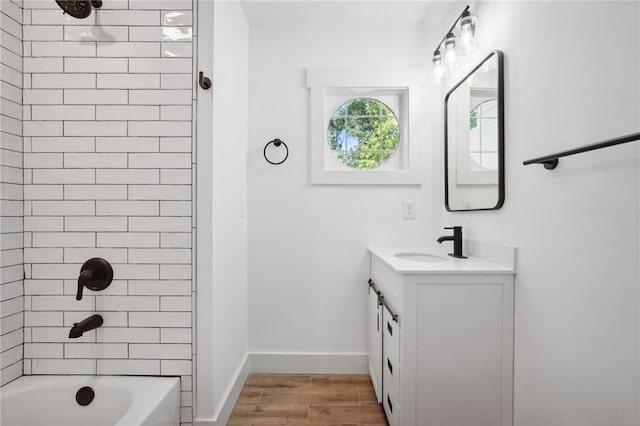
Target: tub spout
(87, 324)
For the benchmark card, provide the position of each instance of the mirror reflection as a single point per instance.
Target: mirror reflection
(474, 139)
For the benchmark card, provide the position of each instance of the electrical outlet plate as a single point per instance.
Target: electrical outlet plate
(408, 209)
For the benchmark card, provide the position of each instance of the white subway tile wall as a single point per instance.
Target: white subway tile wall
(108, 168)
(11, 192)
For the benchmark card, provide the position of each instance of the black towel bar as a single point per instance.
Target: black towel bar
(551, 161)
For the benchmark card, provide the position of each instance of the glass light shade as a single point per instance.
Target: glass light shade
(467, 42)
(450, 54)
(439, 69)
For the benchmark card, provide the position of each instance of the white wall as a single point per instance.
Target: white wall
(230, 110)
(11, 193)
(308, 263)
(222, 188)
(571, 79)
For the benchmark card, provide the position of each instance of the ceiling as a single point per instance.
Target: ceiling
(352, 12)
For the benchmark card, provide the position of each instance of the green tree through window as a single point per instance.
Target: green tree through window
(363, 133)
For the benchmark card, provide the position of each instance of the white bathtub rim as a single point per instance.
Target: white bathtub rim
(142, 401)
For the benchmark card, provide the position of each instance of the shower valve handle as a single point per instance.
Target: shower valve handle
(96, 274)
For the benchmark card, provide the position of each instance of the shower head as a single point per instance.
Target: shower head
(78, 8)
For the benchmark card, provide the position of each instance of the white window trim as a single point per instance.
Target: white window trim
(411, 80)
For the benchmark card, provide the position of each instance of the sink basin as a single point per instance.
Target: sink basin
(420, 257)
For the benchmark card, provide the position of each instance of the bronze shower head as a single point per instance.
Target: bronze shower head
(78, 8)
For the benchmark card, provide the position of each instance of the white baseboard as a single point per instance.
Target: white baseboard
(232, 397)
(302, 363)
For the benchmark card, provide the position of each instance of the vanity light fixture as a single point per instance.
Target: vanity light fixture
(459, 40)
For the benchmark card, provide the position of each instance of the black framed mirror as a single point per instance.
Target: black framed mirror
(474, 139)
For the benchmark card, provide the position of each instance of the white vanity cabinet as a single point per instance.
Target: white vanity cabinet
(447, 356)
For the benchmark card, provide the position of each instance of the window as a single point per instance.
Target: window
(362, 131)
(483, 136)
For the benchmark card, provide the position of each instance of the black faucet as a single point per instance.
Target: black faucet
(457, 241)
(87, 324)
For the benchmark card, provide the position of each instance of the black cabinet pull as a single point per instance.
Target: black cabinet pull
(389, 366)
(389, 328)
(389, 403)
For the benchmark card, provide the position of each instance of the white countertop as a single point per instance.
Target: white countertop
(447, 264)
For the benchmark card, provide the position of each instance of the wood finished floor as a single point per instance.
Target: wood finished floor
(302, 399)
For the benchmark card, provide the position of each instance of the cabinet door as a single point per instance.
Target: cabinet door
(461, 330)
(375, 343)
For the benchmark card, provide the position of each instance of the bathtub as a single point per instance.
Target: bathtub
(118, 401)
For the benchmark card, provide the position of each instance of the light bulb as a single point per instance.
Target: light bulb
(439, 70)
(465, 35)
(450, 55)
(467, 39)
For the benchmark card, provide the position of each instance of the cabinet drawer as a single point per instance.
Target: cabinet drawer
(391, 334)
(391, 375)
(391, 408)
